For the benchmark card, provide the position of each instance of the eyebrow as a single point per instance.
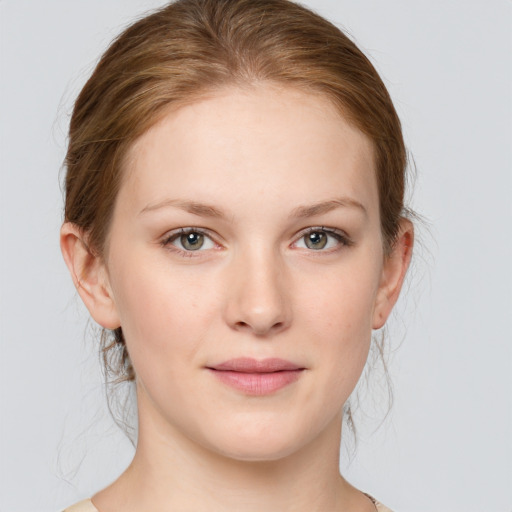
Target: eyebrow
(327, 206)
(200, 209)
(205, 210)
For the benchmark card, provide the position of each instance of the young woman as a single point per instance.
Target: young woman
(234, 220)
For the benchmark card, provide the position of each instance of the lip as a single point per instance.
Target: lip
(257, 376)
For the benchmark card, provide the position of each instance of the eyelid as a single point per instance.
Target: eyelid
(342, 237)
(170, 236)
(339, 234)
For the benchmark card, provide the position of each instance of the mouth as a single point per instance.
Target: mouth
(257, 377)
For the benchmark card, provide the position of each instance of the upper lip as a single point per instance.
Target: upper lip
(249, 365)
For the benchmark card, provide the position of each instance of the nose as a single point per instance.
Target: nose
(258, 296)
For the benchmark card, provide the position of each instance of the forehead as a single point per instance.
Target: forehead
(260, 141)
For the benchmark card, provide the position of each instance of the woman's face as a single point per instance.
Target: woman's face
(245, 266)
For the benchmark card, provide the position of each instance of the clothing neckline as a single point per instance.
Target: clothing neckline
(88, 506)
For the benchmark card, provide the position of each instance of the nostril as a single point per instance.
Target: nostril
(259, 329)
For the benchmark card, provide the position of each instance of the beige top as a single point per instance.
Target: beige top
(87, 506)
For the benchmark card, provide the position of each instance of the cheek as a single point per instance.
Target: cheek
(164, 315)
(337, 315)
(340, 302)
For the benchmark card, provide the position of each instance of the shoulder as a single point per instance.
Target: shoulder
(82, 506)
(87, 506)
(379, 506)
(382, 508)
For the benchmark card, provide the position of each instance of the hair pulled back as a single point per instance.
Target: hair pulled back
(190, 47)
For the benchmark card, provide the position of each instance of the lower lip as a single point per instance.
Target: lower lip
(257, 383)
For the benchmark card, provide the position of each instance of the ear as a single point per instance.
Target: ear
(89, 276)
(393, 273)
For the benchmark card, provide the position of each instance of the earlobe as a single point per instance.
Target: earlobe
(393, 274)
(89, 276)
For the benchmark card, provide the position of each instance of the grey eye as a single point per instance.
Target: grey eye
(192, 241)
(316, 240)
(321, 239)
(188, 240)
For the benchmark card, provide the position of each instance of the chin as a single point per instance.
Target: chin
(253, 444)
(258, 452)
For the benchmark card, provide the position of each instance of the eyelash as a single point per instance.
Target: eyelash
(171, 237)
(340, 236)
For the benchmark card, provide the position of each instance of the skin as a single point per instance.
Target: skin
(244, 166)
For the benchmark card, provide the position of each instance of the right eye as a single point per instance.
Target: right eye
(189, 240)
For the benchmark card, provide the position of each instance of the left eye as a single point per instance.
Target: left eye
(190, 241)
(319, 239)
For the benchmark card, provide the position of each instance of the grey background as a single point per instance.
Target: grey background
(446, 445)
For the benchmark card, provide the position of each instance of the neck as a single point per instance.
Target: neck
(172, 472)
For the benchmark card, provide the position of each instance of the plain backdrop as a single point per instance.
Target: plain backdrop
(446, 445)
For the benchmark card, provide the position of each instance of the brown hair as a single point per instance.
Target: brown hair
(190, 47)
